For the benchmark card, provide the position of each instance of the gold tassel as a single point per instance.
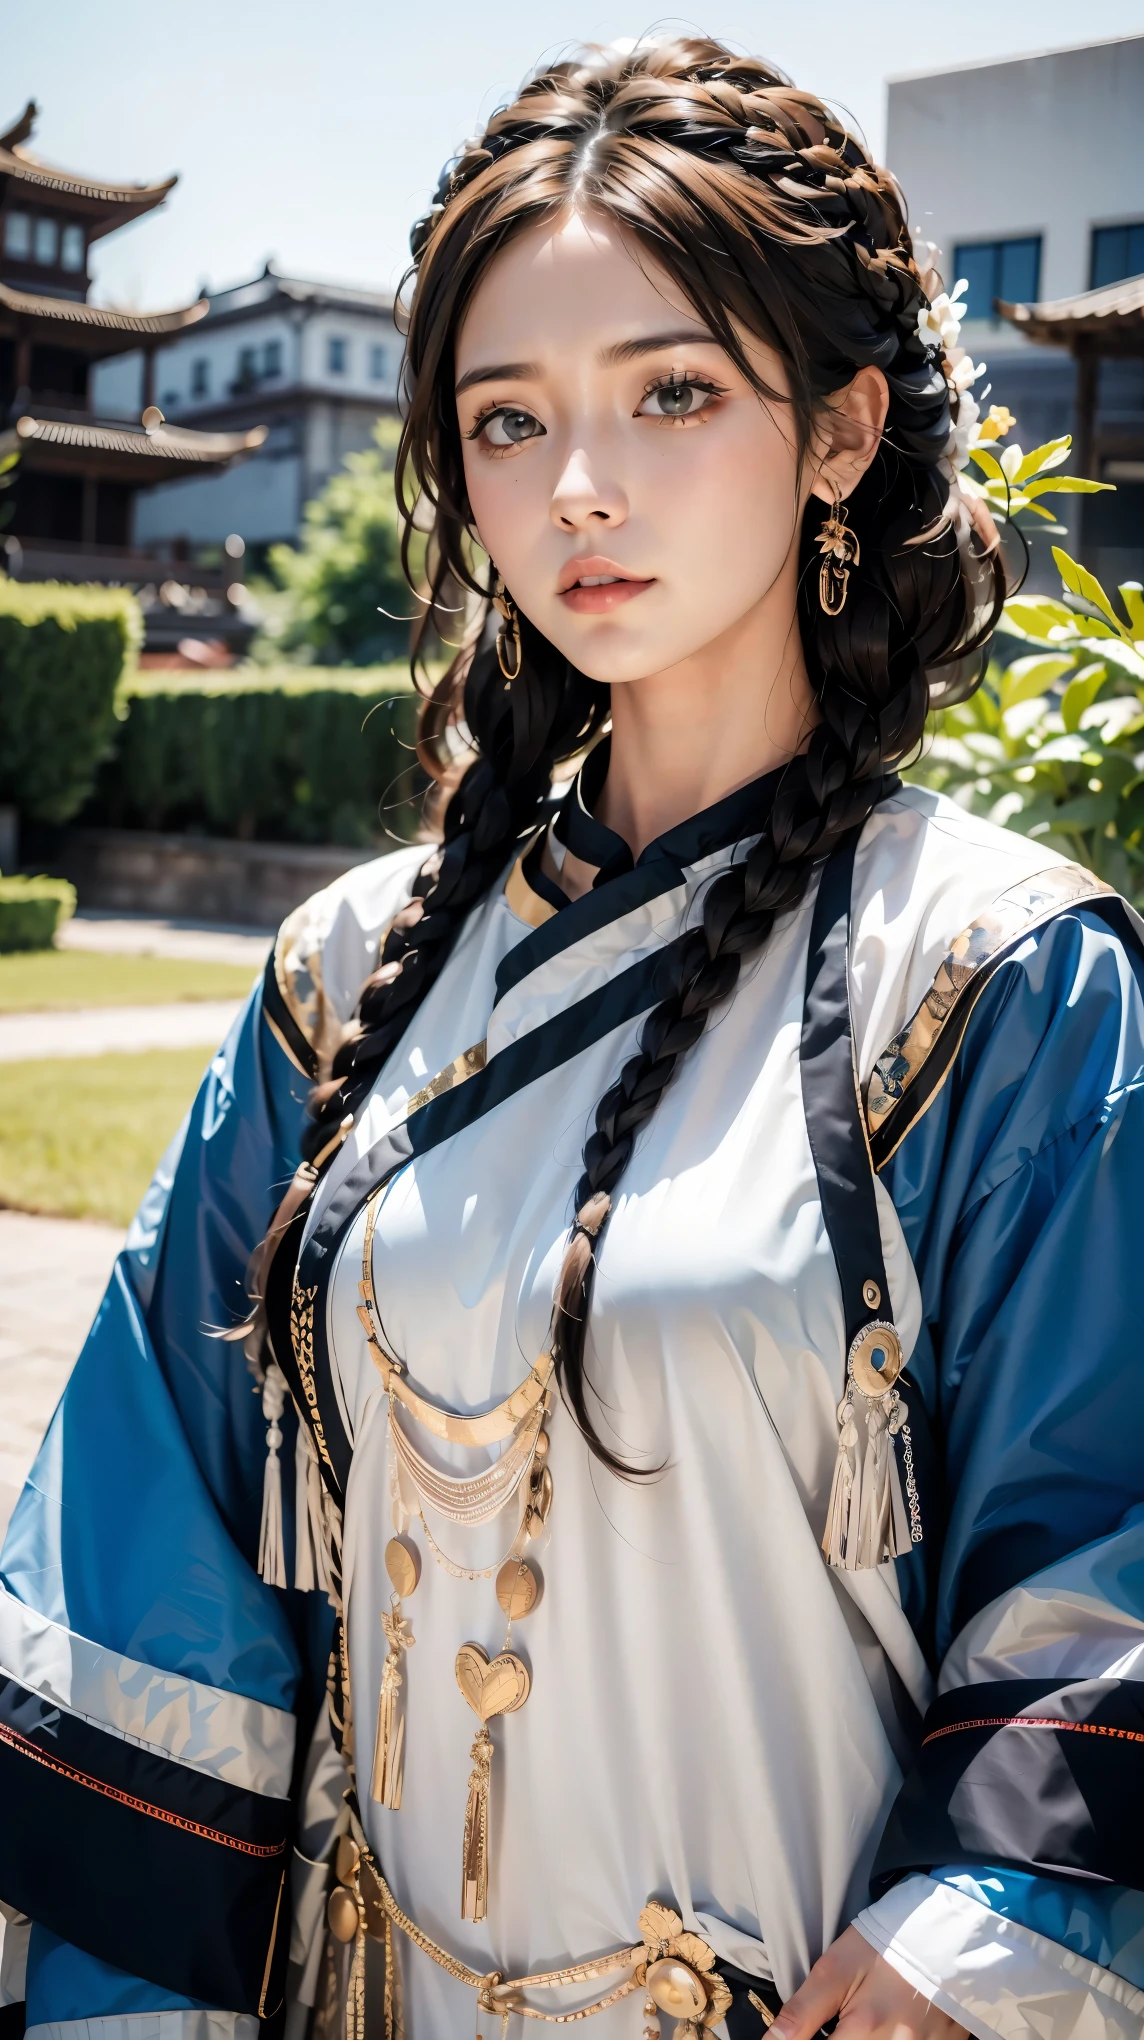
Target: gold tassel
(311, 1567)
(271, 1543)
(475, 1859)
(389, 1747)
(867, 1521)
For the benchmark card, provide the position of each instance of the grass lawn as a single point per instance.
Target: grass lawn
(79, 1137)
(44, 980)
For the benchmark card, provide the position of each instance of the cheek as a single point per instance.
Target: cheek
(505, 497)
(727, 493)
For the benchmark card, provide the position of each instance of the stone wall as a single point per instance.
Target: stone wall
(198, 877)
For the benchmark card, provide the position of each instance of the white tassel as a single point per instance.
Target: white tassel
(271, 1542)
(867, 1521)
(311, 1570)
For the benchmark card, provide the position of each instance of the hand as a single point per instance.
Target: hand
(870, 2000)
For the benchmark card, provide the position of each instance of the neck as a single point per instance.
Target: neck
(685, 737)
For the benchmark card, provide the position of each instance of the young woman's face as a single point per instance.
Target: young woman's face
(636, 494)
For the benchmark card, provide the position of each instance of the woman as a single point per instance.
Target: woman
(690, 1658)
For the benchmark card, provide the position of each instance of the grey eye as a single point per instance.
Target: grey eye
(512, 428)
(675, 400)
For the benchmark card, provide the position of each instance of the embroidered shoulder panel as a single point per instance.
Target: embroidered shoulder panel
(909, 1072)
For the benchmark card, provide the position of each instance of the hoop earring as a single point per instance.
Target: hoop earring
(510, 655)
(840, 551)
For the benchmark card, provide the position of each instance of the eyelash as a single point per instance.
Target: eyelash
(689, 379)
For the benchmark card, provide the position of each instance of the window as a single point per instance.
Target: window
(72, 250)
(378, 364)
(336, 352)
(247, 365)
(999, 269)
(200, 377)
(18, 235)
(1117, 252)
(272, 358)
(46, 241)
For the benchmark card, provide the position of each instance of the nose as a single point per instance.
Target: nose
(583, 500)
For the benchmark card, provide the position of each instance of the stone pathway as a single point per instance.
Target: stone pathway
(138, 935)
(53, 1272)
(105, 1030)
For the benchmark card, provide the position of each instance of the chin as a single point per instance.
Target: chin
(612, 655)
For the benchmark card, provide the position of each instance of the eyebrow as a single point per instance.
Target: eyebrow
(610, 357)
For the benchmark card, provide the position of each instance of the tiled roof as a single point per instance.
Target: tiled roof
(18, 162)
(101, 318)
(1117, 309)
(159, 442)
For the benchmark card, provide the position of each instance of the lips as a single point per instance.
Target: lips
(592, 586)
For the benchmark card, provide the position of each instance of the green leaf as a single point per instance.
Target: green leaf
(1087, 811)
(1079, 581)
(989, 464)
(8, 462)
(1080, 694)
(1132, 596)
(1041, 458)
(1035, 618)
(1066, 485)
(1026, 678)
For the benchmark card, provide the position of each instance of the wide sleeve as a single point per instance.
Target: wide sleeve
(1011, 1867)
(154, 1692)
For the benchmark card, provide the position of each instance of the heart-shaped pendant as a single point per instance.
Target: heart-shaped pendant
(491, 1686)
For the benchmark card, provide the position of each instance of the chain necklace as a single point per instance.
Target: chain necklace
(490, 1687)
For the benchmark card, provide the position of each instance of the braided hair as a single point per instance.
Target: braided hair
(771, 218)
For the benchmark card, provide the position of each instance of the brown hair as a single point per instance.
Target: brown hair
(769, 216)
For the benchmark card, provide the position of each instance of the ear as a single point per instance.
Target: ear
(849, 433)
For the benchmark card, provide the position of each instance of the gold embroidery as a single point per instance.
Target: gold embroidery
(1014, 914)
(302, 1340)
(463, 1066)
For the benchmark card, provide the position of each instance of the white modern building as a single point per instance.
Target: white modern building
(1029, 176)
(317, 363)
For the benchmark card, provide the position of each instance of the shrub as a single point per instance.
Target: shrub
(290, 754)
(63, 652)
(347, 571)
(31, 910)
(1052, 743)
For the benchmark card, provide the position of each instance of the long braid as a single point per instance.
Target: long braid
(771, 218)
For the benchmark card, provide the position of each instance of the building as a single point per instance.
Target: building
(1029, 175)
(317, 362)
(79, 472)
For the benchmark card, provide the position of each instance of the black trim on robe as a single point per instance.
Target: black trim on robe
(1033, 1774)
(183, 1874)
(278, 1012)
(831, 1104)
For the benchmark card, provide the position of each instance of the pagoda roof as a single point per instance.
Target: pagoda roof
(97, 329)
(106, 205)
(136, 453)
(1105, 321)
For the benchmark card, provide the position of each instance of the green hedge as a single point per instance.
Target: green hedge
(302, 755)
(63, 652)
(31, 909)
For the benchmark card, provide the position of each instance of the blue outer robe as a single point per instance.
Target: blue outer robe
(130, 1563)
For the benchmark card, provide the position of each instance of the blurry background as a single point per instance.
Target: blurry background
(204, 712)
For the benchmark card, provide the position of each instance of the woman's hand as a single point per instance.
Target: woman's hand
(870, 2000)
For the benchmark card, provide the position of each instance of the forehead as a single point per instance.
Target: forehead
(564, 285)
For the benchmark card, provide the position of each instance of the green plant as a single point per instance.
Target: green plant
(1052, 743)
(304, 756)
(63, 652)
(347, 571)
(31, 910)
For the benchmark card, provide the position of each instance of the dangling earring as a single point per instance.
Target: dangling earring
(509, 654)
(840, 551)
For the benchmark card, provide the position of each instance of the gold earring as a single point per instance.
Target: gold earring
(840, 551)
(508, 636)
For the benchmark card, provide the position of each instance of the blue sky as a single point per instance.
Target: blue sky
(314, 134)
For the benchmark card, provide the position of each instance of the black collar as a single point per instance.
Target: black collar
(739, 814)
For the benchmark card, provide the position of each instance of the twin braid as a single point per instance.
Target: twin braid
(769, 216)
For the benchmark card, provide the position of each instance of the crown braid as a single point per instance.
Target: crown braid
(770, 216)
